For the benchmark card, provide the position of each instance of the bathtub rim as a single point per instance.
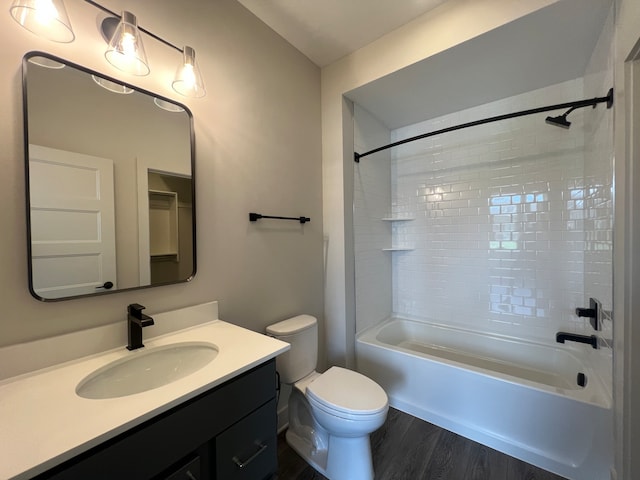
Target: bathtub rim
(603, 395)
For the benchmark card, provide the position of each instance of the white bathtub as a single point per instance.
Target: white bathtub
(517, 397)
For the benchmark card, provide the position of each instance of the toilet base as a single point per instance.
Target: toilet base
(344, 454)
(347, 458)
(315, 457)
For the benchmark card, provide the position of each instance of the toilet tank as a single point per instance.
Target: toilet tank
(301, 333)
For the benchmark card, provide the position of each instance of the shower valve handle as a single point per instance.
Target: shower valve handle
(591, 313)
(585, 312)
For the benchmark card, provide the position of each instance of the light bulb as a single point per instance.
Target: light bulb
(188, 81)
(188, 76)
(46, 12)
(45, 18)
(128, 45)
(125, 50)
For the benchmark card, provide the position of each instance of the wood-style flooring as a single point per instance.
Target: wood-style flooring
(407, 448)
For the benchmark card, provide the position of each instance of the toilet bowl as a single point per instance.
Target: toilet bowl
(347, 403)
(331, 414)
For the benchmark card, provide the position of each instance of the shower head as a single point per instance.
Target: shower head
(559, 121)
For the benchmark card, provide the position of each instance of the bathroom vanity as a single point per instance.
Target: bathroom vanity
(228, 432)
(217, 422)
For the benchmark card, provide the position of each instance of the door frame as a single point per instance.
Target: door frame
(627, 272)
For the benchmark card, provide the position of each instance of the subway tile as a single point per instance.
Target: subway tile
(517, 237)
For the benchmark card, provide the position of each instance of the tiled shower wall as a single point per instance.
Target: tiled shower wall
(502, 219)
(498, 235)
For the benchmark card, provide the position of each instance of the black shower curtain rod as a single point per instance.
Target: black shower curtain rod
(571, 105)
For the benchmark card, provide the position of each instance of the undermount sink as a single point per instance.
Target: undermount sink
(147, 369)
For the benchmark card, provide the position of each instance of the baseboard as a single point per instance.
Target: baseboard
(283, 418)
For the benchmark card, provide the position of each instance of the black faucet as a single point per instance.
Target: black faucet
(572, 337)
(135, 321)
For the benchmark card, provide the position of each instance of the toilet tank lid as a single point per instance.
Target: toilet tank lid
(291, 325)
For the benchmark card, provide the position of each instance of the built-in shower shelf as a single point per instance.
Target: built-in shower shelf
(398, 249)
(398, 219)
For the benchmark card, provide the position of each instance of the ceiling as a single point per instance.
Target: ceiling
(330, 29)
(549, 46)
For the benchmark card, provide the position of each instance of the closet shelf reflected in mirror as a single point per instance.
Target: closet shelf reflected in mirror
(163, 223)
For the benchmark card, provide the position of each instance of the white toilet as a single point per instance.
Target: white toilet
(331, 414)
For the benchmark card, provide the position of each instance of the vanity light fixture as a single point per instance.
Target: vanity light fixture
(168, 106)
(188, 80)
(124, 34)
(46, 62)
(45, 18)
(125, 50)
(112, 86)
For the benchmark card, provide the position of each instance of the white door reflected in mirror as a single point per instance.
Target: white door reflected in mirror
(73, 247)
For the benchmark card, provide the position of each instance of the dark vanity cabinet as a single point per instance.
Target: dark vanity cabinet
(226, 433)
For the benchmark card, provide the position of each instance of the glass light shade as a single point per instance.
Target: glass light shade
(46, 62)
(46, 18)
(112, 86)
(188, 80)
(125, 50)
(168, 106)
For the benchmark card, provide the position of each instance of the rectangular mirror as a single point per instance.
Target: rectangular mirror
(110, 183)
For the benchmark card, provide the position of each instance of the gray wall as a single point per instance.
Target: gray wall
(257, 149)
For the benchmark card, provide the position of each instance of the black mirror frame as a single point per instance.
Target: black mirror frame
(25, 61)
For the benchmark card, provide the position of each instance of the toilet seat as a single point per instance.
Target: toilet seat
(348, 394)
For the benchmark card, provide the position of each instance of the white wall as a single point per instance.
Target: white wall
(371, 203)
(444, 27)
(257, 149)
(599, 186)
(626, 301)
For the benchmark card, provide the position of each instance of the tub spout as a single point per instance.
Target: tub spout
(572, 337)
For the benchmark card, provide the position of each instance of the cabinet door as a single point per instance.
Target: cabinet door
(248, 449)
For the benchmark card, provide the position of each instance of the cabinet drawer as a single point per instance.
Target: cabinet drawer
(247, 450)
(191, 470)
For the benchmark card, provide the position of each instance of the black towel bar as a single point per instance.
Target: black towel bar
(257, 216)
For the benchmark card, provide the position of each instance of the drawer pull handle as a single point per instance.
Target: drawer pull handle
(241, 464)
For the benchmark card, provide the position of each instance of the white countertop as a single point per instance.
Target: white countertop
(43, 422)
